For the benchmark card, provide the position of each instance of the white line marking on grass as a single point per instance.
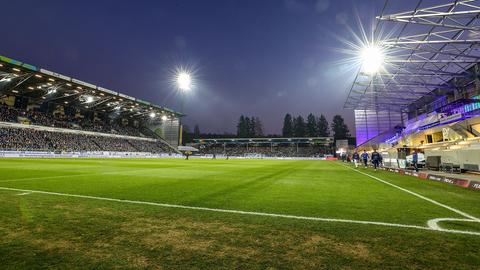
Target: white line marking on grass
(433, 224)
(416, 194)
(240, 211)
(23, 193)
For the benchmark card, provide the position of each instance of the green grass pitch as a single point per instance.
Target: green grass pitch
(127, 216)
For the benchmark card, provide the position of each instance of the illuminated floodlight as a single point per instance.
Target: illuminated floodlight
(164, 118)
(152, 115)
(89, 99)
(184, 81)
(372, 57)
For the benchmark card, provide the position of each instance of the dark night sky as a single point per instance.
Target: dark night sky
(263, 58)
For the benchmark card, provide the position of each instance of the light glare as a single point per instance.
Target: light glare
(184, 81)
(372, 59)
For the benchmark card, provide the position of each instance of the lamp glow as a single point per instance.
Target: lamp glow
(372, 59)
(152, 115)
(164, 118)
(184, 81)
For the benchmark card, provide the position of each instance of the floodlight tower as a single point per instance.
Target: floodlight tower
(184, 83)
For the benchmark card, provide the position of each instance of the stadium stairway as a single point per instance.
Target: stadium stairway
(150, 133)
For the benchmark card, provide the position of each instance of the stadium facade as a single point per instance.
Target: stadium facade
(426, 97)
(309, 147)
(33, 97)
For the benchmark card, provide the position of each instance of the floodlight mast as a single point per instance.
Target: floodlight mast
(184, 84)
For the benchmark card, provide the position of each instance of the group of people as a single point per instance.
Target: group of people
(241, 150)
(25, 139)
(11, 114)
(376, 159)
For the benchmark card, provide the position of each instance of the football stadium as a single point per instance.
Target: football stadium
(94, 178)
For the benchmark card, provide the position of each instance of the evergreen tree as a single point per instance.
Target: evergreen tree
(258, 128)
(196, 132)
(242, 127)
(287, 130)
(339, 128)
(252, 127)
(311, 128)
(322, 127)
(299, 127)
(248, 127)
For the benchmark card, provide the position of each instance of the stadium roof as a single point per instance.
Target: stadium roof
(428, 52)
(22, 79)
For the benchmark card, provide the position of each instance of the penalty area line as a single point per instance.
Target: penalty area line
(237, 211)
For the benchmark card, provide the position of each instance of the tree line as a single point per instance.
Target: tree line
(250, 127)
(314, 126)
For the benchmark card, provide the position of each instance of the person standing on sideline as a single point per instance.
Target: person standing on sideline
(365, 158)
(415, 160)
(356, 159)
(375, 159)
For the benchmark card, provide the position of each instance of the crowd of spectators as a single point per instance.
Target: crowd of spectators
(10, 114)
(26, 139)
(23, 139)
(287, 150)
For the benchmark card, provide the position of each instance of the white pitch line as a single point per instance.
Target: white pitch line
(240, 211)
(416, 194)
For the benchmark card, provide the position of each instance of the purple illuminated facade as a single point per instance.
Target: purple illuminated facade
(371, 123)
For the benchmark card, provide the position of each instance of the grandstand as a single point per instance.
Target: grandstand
(314, 147)
(426, 97)
(42, 110)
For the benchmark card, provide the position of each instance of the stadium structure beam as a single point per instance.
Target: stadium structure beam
(423, 16)
(436, 54)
